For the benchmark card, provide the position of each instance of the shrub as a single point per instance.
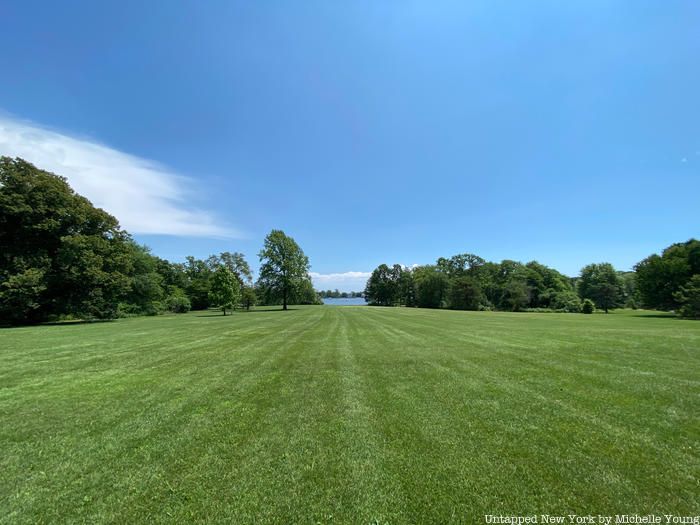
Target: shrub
(587, 306)
(566, 301)
(632, 303)
(178, 303)
(153, 308)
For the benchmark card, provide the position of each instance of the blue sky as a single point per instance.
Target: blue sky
(567, 132)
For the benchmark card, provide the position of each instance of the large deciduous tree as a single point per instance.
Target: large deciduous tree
(660, 277)
(601, 284)
(58, 253)
(430, 286)
(688, 297)
(390, 286)
(284, 268)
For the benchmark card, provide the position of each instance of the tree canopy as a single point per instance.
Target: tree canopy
(660, 277)
(58, 253)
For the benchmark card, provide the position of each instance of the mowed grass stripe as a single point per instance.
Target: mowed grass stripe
(349, 415)
(586, 416)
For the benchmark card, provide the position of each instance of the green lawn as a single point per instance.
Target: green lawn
(349, 415)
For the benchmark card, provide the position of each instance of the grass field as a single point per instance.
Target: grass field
(349, 415)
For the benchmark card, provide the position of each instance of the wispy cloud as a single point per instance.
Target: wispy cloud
(346, 281)
(145, 196)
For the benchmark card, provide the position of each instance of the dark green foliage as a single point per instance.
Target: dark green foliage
(508, 288)
(406, 286)
(467, 282)
(146, 290)
(335, 294)
(587, 306)
(688, 298)
(248, 297)
(62, 257)
(431, 286)
(659, 277)
(198, 276)
(21, 294)
(545, 285)
(390, 286)
(516, 295)
(284, 268)
(601, 284)
(58, 254)
(566, 301)
(465, 293)
(381, 289)
(630, 291)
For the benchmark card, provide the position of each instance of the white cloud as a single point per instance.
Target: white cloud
(345, 282)
(143, 195)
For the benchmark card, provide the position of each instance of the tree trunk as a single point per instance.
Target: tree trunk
(284, 299)
(224, 309)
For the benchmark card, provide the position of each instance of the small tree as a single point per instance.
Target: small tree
(248, 297)
(178, 302)
(225, 289)
(689, 298)
(587, 306)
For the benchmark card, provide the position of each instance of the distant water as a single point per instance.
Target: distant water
(355, 301)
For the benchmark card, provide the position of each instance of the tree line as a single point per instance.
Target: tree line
(335, 294)
(670, 281)
(62, 258)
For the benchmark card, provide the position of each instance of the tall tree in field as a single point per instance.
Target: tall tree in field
(225, 289)
(601, 284)
(284, 267)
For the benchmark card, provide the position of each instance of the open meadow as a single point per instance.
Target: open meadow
(349, 415)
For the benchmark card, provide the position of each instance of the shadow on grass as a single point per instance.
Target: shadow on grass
(255, 311)
(72, 322)
(657, 316)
